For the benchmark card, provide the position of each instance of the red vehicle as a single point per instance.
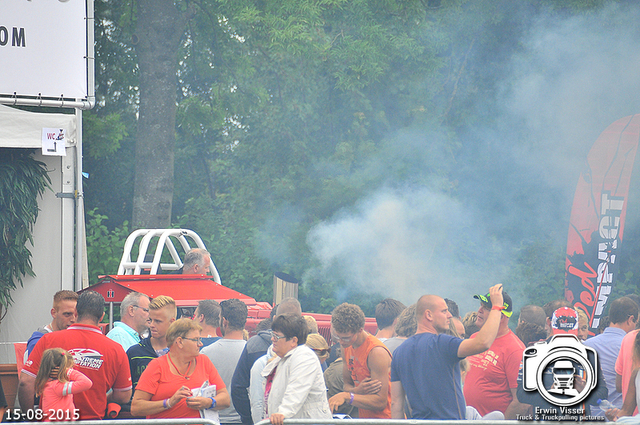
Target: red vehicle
(143, 276)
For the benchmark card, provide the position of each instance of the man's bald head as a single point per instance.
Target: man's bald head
(427, 302)
(438, 317)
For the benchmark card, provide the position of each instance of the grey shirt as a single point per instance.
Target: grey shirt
(224, 355)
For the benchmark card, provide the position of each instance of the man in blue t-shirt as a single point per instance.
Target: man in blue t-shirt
(426, 366)
(63, 314)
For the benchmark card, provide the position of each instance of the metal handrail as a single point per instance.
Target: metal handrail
(174, 421)
(178, 421)
(400, 422)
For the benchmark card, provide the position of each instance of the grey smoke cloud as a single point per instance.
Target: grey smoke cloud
(569, 79)
(403, 243)
(573, 78)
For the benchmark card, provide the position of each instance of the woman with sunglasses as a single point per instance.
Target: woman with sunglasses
(319, 345)
(295, 386)
(165, 389)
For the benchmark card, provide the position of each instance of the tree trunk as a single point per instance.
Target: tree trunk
(159, 30)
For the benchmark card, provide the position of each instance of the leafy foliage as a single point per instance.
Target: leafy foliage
(290, 111)
(537, 273)
(104, 246)
(22, 181)
(105, 134)
(221, 228)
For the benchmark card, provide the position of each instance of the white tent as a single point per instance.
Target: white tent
(54, 255)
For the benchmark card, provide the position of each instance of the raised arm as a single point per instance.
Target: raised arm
(485, 337)
(78, 382)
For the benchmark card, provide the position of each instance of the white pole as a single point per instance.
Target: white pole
(80, 250)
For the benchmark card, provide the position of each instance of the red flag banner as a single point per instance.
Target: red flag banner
(598, 216)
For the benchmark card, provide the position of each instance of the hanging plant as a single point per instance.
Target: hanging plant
(22, 181)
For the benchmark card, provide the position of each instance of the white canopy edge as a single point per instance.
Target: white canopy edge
(22, 129)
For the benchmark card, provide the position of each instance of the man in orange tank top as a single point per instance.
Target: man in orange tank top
(367, 364)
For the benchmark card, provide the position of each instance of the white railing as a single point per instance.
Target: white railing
(166, 239)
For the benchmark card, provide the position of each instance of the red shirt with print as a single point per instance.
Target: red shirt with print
(102, 360)
(493, 374)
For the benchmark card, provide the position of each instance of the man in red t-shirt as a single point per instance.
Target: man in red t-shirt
(491, 382)
(99, 358)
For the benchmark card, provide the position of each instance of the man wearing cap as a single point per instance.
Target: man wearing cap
(492, 379)
(564, 320)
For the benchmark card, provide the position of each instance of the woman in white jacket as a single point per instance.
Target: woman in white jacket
(295, 385)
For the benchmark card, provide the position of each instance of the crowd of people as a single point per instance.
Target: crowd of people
(425, 361)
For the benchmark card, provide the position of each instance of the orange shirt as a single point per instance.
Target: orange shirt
(356, 360)
(158, 380)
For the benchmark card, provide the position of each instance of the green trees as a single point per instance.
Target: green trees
(22, 181)
(285, 113)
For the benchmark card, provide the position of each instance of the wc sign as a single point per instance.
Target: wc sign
(54, 141)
